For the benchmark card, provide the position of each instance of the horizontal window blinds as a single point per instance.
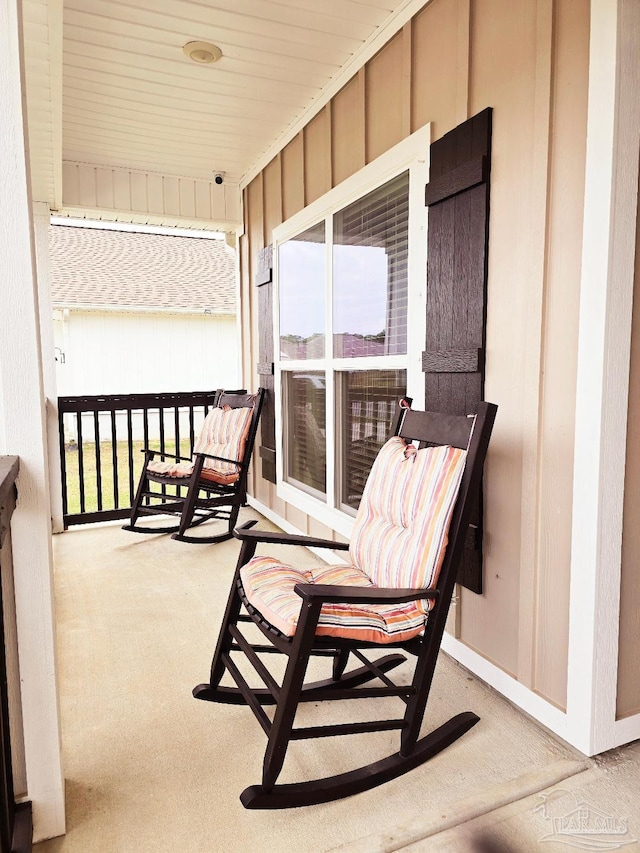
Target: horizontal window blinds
(370, 269)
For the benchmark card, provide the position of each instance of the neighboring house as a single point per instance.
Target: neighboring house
(140, 312)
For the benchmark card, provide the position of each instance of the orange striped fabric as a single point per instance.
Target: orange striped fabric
(400, 535)
(224, 433)
(399, 541)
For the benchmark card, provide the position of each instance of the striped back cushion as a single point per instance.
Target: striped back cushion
(400, 533)
(224, 433)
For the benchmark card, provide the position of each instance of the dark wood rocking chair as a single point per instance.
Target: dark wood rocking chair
(394, 592)
(214, 481)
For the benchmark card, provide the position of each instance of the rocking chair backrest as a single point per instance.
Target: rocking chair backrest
(400, 534)
(410, 519)
(472, 434)
(229, 432)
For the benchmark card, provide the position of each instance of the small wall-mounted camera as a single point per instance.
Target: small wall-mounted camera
(218, 178)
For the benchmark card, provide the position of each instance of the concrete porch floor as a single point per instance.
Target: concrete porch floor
(149, 769)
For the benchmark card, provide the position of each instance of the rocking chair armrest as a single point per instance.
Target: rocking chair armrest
(362, 594)
(149, 454)
(217, 458)
(245, 533)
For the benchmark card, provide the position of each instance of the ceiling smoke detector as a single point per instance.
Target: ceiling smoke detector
(202, 52)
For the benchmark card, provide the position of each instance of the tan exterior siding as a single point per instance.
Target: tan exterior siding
(384, 98)
(254, 214)
(435, 78)
(293, 177)
(559, 345)
(273, 195)
(317, 156)
(503, 37)
(529, 61)
(347, 129)
(628, 701)
(249, 343)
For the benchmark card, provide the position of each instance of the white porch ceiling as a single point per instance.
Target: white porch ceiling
(131, 99)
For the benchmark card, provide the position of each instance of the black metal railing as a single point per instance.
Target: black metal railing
(100, 442)
(15, 819)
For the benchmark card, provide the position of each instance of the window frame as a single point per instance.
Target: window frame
(412, 155)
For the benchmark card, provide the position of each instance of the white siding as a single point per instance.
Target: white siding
(129, 353)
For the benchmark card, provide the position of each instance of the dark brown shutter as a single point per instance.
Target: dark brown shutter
(264, 282)
(453, 362)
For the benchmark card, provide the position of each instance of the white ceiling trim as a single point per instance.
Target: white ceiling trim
(158, 220)
(396, 21)
(68, 222)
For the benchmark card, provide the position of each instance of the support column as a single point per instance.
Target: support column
(23, 433)
(606, 297)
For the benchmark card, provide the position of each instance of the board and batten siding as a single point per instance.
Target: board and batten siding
(628, 700)
(529, 62)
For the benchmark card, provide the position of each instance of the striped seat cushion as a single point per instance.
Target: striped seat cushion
(399, 541)
(224, 433)
(269, 587)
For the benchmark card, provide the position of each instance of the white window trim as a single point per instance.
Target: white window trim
(411, 154)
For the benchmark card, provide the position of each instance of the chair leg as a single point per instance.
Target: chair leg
(340, 663)
(143, 485)
(422, 679)
(225, 640)
(188, 509)
(290, 693)
(233, 517)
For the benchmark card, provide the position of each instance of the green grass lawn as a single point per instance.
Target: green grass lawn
(106, 472)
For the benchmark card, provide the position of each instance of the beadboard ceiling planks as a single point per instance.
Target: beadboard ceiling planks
(108, 84)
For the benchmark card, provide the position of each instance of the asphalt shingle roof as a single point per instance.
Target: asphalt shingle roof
(98, 267)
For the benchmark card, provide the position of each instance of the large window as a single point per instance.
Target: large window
(343, 340)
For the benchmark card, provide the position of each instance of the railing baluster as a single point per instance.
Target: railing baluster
(80, 462)
(163, 488)
(176, 427)
(161, 427)
(192, 435)
(130, 448)
(145, 427)
(63, 463)
(114, 458)
(96, 429)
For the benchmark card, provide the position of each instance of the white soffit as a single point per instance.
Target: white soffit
(133, 99)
